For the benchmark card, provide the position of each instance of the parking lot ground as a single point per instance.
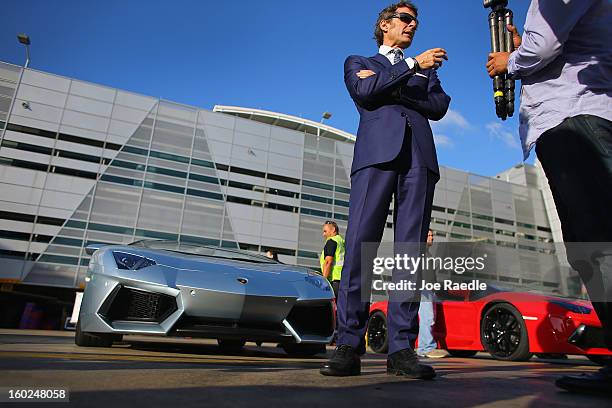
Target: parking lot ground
(152, 371)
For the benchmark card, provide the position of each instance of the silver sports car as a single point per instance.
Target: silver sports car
(168, 288)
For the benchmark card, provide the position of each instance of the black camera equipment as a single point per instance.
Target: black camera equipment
(501, 41)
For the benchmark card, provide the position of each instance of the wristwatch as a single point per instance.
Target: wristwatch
(417, 67)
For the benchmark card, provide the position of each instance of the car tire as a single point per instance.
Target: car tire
(87, 339)
(231, 345)
(503, 333)
(303, 350)
(599, 359)
(378, 340)
(462, 353)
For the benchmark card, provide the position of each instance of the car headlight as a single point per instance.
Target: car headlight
(131, 262)
(572, 307)
(317, 280)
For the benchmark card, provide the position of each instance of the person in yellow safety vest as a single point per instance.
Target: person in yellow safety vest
(332, 256)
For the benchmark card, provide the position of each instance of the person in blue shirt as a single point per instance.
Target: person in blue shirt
(564, 62)
(427, 346)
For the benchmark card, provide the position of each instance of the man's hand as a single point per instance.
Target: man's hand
(431, 58)
(498, 63)
(327, 266)
(516, 37)
(364, 73)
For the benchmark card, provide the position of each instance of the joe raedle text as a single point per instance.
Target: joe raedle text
(447, 284)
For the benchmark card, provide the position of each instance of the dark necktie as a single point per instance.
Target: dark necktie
(398, 55)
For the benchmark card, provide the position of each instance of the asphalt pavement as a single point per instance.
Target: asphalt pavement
(152, 371)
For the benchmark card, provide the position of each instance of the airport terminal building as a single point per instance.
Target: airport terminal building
(83, 163)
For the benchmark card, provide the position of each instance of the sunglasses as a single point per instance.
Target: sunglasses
(406, 18)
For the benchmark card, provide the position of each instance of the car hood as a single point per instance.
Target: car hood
(537, 297)
(212, 265)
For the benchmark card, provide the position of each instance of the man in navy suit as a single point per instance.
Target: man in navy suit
(394, 155)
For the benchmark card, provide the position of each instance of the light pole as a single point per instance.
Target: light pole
(324, 116)
(25, 40)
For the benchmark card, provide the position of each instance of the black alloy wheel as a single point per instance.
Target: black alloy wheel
(87, 339)
(377, 332)
(503, 333)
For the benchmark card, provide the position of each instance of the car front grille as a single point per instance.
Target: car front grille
(227, 329)
(588, 337)
(312, 318)
(137, 305)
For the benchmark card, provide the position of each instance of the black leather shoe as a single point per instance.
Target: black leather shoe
(406, 363)
(343, 363)
(599, 382)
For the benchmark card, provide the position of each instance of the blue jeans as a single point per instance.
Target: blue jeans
(427, 320)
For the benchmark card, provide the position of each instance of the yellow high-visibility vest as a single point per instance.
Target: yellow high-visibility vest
(338, 263)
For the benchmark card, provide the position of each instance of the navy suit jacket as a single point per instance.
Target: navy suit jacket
(388, 102)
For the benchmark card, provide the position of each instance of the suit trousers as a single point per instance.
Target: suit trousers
(372, 189)
(576, 156)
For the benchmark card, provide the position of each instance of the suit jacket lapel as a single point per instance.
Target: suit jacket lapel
(382, 60)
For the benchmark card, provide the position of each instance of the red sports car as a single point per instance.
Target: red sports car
(509, 325)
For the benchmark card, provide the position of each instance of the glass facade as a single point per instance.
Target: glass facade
(84, 163)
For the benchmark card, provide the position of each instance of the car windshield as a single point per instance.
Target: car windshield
(203, 250)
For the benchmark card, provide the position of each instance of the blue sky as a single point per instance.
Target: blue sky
(275, 55)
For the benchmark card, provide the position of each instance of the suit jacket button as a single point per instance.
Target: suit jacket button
(403, 114)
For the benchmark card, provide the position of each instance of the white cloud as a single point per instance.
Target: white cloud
(452, 120)
(443, 141)
(453, 124)
(497, 131)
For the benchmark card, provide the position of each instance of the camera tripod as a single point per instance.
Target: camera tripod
(501, 41)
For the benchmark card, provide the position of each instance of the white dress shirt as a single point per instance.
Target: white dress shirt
(389, 53)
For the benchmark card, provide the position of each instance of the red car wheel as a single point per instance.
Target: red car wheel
(503, 333)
